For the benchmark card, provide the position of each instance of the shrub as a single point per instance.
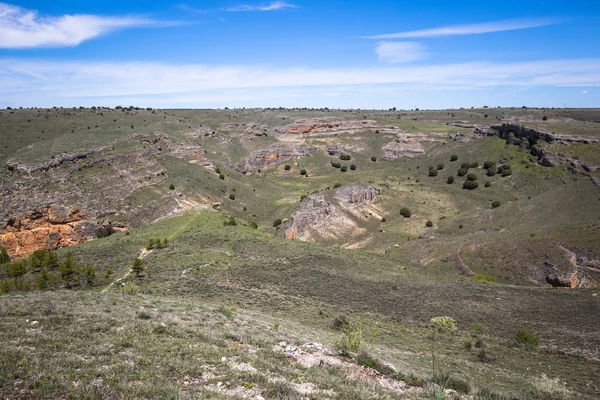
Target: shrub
(485, 277)
(526, 337)
(345, 157)
(474, 164)
(344, 168)
(488, 184)
(405, 212)
(253, 225)
(506, 172)
(478, 328)
(172, 187)
(222, 177)
(440, 167)
(232, 196)
(465, 165)
(453, 157)
(471, 177)
(131, 288)
(337, 185)
(373, 159)
(470, 185)
(353, 167)
(90, 274)
(450, 180)
(339, 322)
(4, 258)
(336, 165)
(383, 219)
(489, 164)
(491, 171)
(444, 323)
(429, 224)
(150, 244)
(287, 167)
(228, 311)
(367, 360)
(217, 170)
(276, 223)
(462, 172)
(495, 204)
(230, 222)
(544, 118)
(433, 172)
(105, 231)
(302, 172)
(138, 266)
(351, 339)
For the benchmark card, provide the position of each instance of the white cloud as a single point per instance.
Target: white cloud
(584, 91)
(471, 29)
(37, 82)
(400, 52)
(276, 5)
(23, 28)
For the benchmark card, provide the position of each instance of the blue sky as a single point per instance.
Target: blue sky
(328, 53)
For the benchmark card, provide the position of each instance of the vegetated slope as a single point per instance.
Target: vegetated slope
(118, 166)
(221, 289)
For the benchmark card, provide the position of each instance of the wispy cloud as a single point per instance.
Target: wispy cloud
(24, 28)
(273, 6)
(400, 52)
(470, 29)
(584, 91)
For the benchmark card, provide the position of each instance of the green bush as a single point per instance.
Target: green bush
(495, 204)
(470, 185)
(302, 172)
(337, 185)
(276, 223)
(336, 165)
(474, 164)
(287, 167)
(465, 165)
(453, 157)
(506, 172)
(433, 172)
(472, 177)
(344, 168)
(383, 219)
(131, 288)
(440, 167)
(429, 224)
(485, 277)
(488, 184)
(489, 164)
(462, 172)
(526, 337)
(172, 187)
(253, 225)
(345, 157)
(444, 323)
(230, 222)
(373, 159)
(4, 258)
(405, 212)
(450, 180)
(491, 171)
(478, 328)
(353, 167)
(231, 196)
(105, 231)
(222, 177)
(351, 340)
(138, 266)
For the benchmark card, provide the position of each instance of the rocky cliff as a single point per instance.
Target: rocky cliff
(274, 155)
(48, 228)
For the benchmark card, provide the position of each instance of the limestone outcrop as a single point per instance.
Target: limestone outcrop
(274, 155)
(410, 144)
(313, 212)
(357, 194)
(48, 229)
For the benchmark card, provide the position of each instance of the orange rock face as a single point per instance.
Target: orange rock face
(308, 128)
(45, 229)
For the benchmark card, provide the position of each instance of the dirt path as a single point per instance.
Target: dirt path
(462, 267)
(143, 254)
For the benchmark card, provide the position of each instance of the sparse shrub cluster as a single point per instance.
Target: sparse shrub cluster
(444, 323)
(43, 270)
(157, 243)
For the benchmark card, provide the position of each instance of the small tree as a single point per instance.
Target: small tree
(302, 172)
(474, 164)
(172, 186)
(453, 157)
(90, 274)
(470, 185)
(465, 165)
(405, 212)
(287, 167)
(440, 167)
(373, 159)
(472, 177)
(488, 184)
(344, 168)
(138, 266)
(16, 269)
(150, 244)
(433, 172)
(450, 180)
(429, 224)
(69, 270)
(495, 204)
(489, 164)
(232, 196)
(491, 171)
(353, 167)
(462, 172)
(4, 258)
(276, 223)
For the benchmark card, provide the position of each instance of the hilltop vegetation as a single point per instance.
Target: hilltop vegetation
(153, 243)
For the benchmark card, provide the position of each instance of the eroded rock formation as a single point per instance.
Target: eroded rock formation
(274, 155)
(356, 194)
(410, 144)
(48, 229)
(313, 212)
